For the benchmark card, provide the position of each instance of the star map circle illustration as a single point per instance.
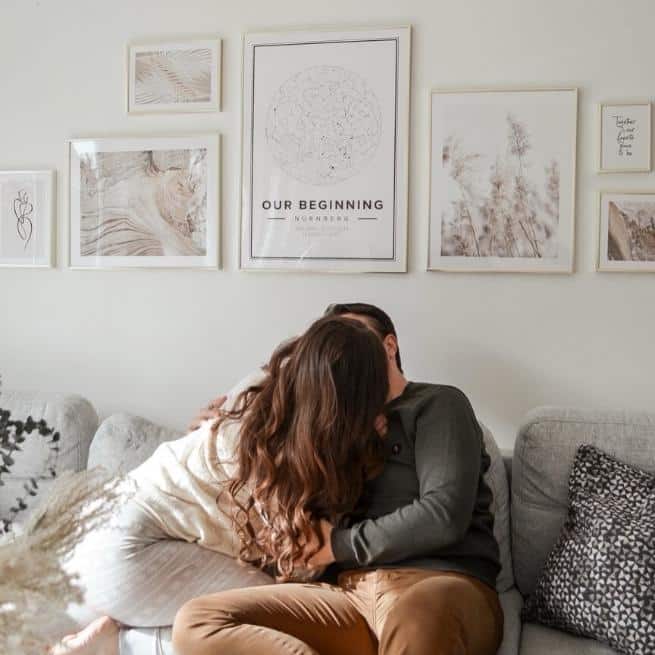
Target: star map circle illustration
(323, 125)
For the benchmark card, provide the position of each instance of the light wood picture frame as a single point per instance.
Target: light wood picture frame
(624, 143)
(144, 202)
(324, 181)
(626, 231)
(27, 218)
(174, 76)
(502, 180)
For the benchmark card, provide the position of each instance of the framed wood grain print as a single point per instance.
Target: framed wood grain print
(502, 180)
(325, 150)
(144, 202)
(174, 76)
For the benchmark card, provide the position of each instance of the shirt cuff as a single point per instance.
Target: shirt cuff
(342, 548)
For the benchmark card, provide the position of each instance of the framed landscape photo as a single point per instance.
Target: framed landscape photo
(144, 202)
(174, 76)
(502, 180)
(325, 150)
(627, 232)
(27, 211)
(625, 141)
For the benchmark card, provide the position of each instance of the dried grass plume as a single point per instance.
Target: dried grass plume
(33, 584)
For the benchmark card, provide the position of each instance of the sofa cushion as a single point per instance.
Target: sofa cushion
(511, 602)
(76, 421)
(540, 640)
(496, 478)
(124, 442)
(598, 580)
(543, 457)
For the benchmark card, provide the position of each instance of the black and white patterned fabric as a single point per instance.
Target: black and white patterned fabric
(599, 580)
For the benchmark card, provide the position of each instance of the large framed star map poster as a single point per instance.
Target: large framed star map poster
(325, 151)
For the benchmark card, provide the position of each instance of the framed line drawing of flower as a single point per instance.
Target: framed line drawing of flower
(627, 232)
(27, 218)
(502, 180)
(148, 202)
(174, 77)
(625, 141)
(325, 150)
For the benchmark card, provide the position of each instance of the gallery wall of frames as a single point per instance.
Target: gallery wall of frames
(324, 175)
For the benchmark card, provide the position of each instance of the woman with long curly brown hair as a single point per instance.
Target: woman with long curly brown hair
(292, 446)
(306, 438)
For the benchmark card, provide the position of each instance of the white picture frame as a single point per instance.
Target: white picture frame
(174, 76)
(144, 202)
(626, 231)
(487, 145)
(324, 184)
(27, 218)
(625, 137)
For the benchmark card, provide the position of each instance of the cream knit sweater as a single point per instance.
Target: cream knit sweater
(181, 486)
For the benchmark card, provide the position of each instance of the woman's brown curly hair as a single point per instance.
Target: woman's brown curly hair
(307, 440)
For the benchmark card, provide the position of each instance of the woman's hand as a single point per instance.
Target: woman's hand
(381, 425)
(209, 412)
(324, 555)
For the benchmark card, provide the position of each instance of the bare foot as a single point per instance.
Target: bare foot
(98, 638)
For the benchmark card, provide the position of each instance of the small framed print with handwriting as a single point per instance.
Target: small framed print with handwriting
(625, 137)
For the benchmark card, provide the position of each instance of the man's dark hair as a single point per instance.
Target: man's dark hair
(378, 319)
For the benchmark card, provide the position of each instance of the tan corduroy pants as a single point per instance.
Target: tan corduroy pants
(385, 611)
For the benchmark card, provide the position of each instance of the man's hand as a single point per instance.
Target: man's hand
(324, 556)
(209, 412)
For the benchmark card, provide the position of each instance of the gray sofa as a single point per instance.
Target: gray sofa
(530, 487)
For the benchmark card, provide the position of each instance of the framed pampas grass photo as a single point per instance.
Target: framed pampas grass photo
(174, 77)
(502, 180)
(144, 202)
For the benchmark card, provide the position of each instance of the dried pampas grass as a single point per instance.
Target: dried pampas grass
(33, 584)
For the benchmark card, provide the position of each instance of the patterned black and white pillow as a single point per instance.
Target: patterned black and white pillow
(599, 579)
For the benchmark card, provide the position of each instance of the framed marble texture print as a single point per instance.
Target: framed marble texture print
(144, 202)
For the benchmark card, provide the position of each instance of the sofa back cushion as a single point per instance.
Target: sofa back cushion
(543, 458)
(124, 442)
(31, 471)
(496, 478)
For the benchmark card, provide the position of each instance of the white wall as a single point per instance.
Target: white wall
(160, 343)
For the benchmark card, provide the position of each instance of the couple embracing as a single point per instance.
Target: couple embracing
(326, 506)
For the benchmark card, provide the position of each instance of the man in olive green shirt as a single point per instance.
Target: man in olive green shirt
(416, 563)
